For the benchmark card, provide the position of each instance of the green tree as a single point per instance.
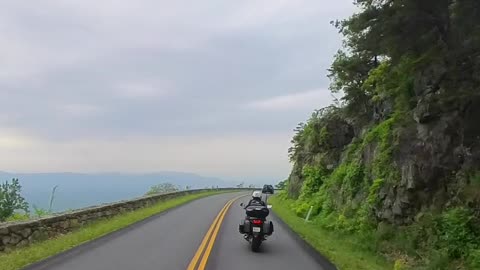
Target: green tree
(11, 199)
(282, 184)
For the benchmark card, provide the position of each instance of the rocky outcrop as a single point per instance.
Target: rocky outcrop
(20, 234)
(435, 155)
(432, 152)
(340, 133)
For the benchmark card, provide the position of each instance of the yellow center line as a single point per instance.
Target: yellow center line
(200, 249)
(206, 255)
(213, 229)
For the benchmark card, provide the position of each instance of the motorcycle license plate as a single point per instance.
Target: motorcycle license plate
(256, 229)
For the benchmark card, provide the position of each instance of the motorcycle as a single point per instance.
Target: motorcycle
(255, 226)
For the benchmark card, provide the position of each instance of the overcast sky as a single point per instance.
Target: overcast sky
(213, 87)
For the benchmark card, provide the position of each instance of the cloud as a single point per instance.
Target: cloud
(80, 109)
(309, 99)
(13, 140)
(142, 90)
(86, 72)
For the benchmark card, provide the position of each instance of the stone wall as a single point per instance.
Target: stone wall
(21, 234)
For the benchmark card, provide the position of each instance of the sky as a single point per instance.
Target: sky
(213, 87)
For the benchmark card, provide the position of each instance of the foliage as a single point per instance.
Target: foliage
(301, 209)
(395, 53)
(11, 199)
(18, 217)
(347, 252)
(40, 212)
(333, 194)
(458, 232)
(162, 188)
(348, 73)
(314, 177)
(474, 259)
(372, 198)
(399, 265)
(282, 184)
(324, 136)
(312, 136)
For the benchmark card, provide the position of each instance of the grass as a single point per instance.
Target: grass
(344, 251)
(22, 257)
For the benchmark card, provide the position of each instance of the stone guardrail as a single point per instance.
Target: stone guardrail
(19, 234)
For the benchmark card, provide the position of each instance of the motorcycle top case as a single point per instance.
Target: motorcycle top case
(257, 211)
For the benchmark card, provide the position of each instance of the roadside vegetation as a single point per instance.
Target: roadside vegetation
(14, 207)
(21, 257)
(394, 165)
(12, 204)
(162, 188)
(345, 251)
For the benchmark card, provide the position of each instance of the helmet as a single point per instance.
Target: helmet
(257, 194)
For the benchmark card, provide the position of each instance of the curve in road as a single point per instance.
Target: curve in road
(172, 240)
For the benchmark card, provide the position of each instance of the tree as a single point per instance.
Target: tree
(162, 188)
(282, 184)
(11, 199)
(240, 185)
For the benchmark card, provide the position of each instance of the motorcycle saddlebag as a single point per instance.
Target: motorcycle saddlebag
(244, 226)
(268, 227)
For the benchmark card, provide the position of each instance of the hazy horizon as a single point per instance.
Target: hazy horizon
(214, 88)
(78, 190)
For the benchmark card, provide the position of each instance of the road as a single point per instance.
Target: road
(170, 241)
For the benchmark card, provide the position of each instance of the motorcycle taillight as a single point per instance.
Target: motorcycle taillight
(257, 221)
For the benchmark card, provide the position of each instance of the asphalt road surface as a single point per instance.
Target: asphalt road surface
(171, 240)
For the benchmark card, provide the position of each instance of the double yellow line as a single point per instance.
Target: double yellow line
(206, 246)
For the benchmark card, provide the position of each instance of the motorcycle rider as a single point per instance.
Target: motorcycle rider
(256, 199)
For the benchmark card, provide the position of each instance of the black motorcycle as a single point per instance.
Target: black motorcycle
(254, 226)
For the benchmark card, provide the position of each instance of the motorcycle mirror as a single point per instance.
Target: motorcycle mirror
(269, 206)
(241, 204)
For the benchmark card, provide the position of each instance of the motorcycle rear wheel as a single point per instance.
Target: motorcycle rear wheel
(255, 243)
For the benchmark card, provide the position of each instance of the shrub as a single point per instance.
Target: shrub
(301, 209)
(163, 188)
(40, 212)
(18, 217)
(474, 259)
(354, 174)
(399, 265)
(11, 200)
(437, 260)
(457, 232)
(314, 178)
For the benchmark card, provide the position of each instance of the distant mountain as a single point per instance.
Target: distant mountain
(76, 190)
